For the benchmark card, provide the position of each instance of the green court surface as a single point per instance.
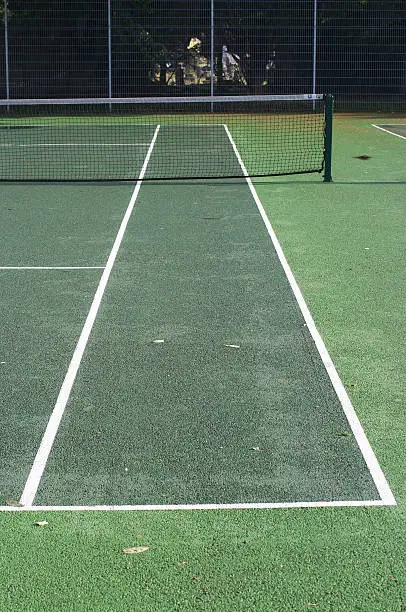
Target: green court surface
(175, 422)
(202, 382)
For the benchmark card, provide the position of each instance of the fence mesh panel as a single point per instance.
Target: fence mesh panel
(353, 48)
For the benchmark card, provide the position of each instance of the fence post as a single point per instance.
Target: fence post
(6, 51)
(328, 137)
(314, 47)
(109, 48)
(314, 51)
(212, 55)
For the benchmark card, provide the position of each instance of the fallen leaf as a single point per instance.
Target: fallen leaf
(13, 502)
(41, 523)
(196, 578)
(135, 550)
(183, 562)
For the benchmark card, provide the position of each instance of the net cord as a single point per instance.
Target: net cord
(163, 101)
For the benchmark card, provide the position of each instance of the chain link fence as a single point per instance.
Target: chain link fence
(118, 48)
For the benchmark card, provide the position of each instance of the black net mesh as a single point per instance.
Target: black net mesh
(203, 137)
(355, 49)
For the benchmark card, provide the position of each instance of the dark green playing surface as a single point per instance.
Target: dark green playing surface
(191, 420)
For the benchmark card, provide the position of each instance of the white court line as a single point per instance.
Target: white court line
(40, 461)
(273, 506)
(359, 434)
(378, 127)
(52, 267)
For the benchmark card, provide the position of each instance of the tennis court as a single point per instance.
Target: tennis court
(202, 298)
(201, 386)
(158, 351)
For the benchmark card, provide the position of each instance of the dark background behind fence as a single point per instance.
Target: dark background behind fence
(98, 48)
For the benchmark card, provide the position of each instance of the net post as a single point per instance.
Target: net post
(328, 137)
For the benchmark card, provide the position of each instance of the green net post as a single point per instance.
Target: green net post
(328, 143)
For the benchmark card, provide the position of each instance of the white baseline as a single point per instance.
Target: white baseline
(236, 506)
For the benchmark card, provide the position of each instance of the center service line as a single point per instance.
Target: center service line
(40, 461)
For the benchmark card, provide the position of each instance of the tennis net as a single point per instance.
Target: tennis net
(100, 139)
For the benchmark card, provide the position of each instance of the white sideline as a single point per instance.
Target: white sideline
(356, 427)
(40, 461)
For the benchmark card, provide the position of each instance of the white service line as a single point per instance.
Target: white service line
(359, 434)
(40, 461)
(378, 127)
(52, 267)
